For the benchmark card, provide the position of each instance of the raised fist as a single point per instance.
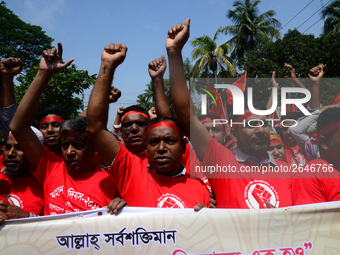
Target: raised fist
(157, 67)
(178, 35)
(115, 94)
(114, 54)
(10, 66)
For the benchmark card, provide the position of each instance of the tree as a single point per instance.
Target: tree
(331, 14)
(60, 90)
(250, 29)
(146, 100)
(21, 40)
(301, 51)
(210, 56)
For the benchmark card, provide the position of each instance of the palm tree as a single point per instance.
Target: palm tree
(250, 29)
(211, 57)
(332, 15)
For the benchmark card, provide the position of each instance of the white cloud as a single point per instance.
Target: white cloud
(44, 13)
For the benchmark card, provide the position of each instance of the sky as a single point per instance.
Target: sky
(84, 27)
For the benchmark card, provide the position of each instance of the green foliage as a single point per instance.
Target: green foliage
(146, 100)
(251, 29)
(331, 15)
(303, 52)
(21, 40)
(60, 90)
(210, 56)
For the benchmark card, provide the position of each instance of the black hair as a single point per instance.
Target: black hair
(76, 124)
(53, 110)
(134, 108)
(164, 118)
(292, 115)
(212, 116)
(328, 117)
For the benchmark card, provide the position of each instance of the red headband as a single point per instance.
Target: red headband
(165, 124)
(10, 133)
(131, 112)
(229, 143)
(329, 128)
(275, 141)
(51, 119)
(243, 117)
(70, 133)
(208, 119)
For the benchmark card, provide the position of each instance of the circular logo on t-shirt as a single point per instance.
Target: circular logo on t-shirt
(15, 199)
(258, 192)
(170, 201)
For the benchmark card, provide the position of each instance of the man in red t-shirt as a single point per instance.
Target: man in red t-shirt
(161, 181)
(232, 190)
(18, 184)
(74, 183)
(50, 120)
(320, 180)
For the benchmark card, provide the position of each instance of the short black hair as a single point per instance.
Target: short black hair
(76, 124)
(134, 108)
(53, 110)
(164, 118)
(328, 117)
(292, 115)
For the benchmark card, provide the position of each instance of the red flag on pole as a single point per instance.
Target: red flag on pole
(241, 84)
(276, 119)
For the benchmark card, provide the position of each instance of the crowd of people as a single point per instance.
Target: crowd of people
(150, 159)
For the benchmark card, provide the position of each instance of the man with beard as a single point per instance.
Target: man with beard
(238, 187)
(18, 185)
(50, 120)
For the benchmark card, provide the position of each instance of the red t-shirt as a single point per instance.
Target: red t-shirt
(3, 199)
(138, 186)
(65, 193)
(319, 187)
(1, 162)
(242, 190)
(26, 193)
(294, 156)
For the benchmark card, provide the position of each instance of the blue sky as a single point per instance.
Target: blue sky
(85, 27)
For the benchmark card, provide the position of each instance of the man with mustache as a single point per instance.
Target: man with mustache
(241, 188)
(161, 180)
(18, 184)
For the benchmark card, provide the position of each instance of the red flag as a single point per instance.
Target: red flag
(287, 105)
(293, 108)
(218, 110)
(241, 84)
(276, 119)
(335, 100)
